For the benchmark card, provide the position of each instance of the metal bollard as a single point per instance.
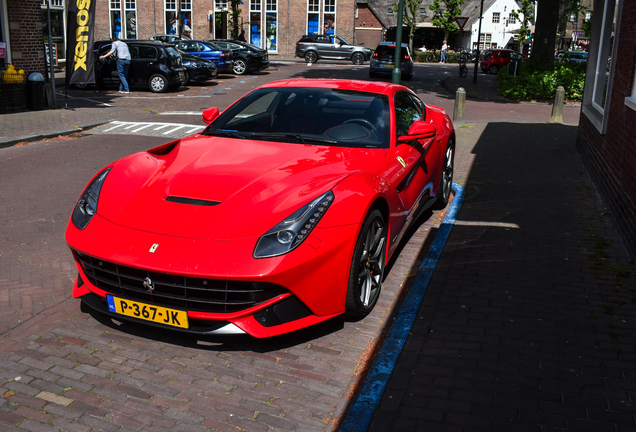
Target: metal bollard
(557, 108)
(460, 104)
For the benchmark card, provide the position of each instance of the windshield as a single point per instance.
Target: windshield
(172, 53)
(344, 42)
(308, 116)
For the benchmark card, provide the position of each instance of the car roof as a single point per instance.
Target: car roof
(391, 43)
(343, 84)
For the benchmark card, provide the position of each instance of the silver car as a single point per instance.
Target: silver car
(314, 47)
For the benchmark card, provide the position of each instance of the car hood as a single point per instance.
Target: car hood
(225, 188)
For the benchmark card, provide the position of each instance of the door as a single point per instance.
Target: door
(142, 64)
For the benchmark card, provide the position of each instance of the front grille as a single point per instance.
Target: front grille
(182, 292)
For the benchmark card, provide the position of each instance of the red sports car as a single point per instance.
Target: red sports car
(281, 214)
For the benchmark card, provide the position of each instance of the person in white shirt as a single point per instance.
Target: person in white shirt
(444, 49)
(123, 62)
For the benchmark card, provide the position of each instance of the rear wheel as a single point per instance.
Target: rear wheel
(240, 67)
(186, 80)
(446, 177)
(311, 57)
(430, 58)
(357, 59)
(158, 84)
(367, 266)
(494, 69)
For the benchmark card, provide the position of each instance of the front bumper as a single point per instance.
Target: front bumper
(314, 277)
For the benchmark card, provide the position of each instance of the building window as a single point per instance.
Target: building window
(495, 17)
(512, 19)
(390, 12)
(255, 22)
(485, 41)
(271, 25)
(170, 8)
(329, 17)
(58, 32)
(598, 82)
(115, 19)
(131, 19)
(313, 16)
(220, 19)
(588, 15)
(185, 21)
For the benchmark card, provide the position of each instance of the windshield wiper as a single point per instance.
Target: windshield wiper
(304, 139)
(225, 133)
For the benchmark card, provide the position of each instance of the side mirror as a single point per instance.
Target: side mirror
(210, 114)
(419, 130)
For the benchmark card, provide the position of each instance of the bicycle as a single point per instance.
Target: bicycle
(463, 69)
(433, 57)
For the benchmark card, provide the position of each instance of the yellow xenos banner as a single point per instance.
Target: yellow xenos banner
(80, 61)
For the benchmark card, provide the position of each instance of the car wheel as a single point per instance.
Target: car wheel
(494, 69)
(81, 86)
(446, 177)
(311, 57)
(367, 266)
(158, 84)
(240, 67)
(187, 79)
(357, 59)
(430, 58)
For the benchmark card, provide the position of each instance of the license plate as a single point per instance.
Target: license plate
(148, 312)
(389, 66)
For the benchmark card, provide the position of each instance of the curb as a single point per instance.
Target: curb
(4, 143)
(361, 411)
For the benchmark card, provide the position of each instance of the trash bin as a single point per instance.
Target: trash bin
(513, 67)
(36, 91)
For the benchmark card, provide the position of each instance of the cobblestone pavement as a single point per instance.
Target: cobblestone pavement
(526, 325)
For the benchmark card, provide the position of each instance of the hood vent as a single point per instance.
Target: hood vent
(192, 201)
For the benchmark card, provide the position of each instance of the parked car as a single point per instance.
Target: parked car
(280, 215)
(383, 61)
(197, 69)
(578, 57)
(222, 58)
(315, 47)
(165, 38)
(153, 65)
(493, 60)
(246, 57)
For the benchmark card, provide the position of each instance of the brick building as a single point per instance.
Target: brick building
(607, 125)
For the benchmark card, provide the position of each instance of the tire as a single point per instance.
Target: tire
(463, 71)
(240, 67)
(187, 79)
(494, 70)
(158, 84)
(357, 59)
(82, 86)
(311, 57)
(430, 58)
(367, 266)
(446, 177)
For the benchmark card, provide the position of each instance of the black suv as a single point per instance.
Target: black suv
(153, 65)
(316, 46)
(247, 57)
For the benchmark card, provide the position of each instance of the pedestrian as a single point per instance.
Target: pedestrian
(123, 62)
(242, 36)
(444, 49)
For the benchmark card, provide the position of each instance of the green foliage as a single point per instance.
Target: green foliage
(235, 13)
(536, 83)
(444, 17)
(410, 16)
(525, 16)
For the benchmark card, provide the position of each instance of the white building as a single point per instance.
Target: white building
(499, 29)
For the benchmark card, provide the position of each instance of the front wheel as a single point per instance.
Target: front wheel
(446, 177)
(240, 67)
(311, 57)
(158, 84)
(430, 58)
(367, 266)
(186, 80)
(494, 69)
(357, 59)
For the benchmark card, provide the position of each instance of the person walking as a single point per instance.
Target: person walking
(241, 37)
(123, 62)
(444, 49)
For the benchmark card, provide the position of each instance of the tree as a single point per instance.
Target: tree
(444, 17)
(235, 14)
(525, 16)
(411, 16)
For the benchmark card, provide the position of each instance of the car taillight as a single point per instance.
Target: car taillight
(225, 54)
(375, 54)
(406, 57)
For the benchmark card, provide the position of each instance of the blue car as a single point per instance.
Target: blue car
(222, 58)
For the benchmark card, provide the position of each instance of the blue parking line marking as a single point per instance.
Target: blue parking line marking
(361, 412)
(233, 84)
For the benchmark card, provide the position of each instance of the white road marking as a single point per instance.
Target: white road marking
(176, 130)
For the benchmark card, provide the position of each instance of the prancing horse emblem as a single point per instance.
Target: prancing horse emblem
(149, 285)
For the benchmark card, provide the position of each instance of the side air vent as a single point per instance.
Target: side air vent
(192, 201)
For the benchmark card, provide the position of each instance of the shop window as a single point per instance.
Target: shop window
(329, 17)
(272, 21)
(255, 22)
(131, 19)
(313, 16)
(170, 8)
(185, 21)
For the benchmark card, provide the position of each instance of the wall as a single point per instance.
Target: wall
(25, 33)
(369, 30)
(611, 158)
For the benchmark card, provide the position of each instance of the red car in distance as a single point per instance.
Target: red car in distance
(281, 214)
(494, 60)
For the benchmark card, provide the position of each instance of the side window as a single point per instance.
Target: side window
(504, 54)
(134, 52)
(104, 49)
(147, 52)
(407, 111)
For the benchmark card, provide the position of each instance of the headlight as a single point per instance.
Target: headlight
(291, 232)
(87, 205)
